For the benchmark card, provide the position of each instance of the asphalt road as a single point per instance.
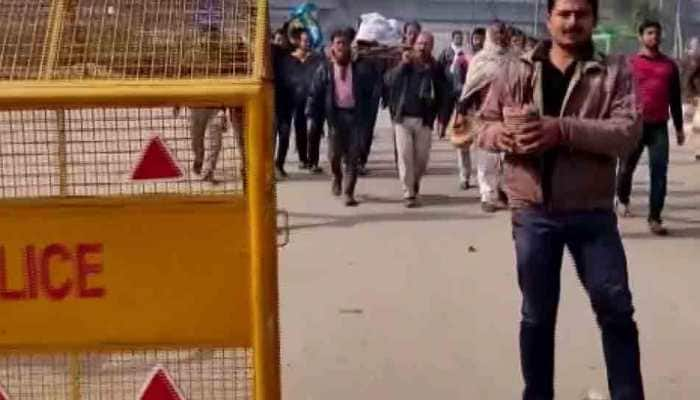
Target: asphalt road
(381, 302)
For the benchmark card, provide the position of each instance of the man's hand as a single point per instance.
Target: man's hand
(538, 137)
(680, 137)
(505, 141)
(407, 57)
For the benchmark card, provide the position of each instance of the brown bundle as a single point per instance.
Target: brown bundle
(377, 51)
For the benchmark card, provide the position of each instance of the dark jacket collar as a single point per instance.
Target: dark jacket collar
(591, 59)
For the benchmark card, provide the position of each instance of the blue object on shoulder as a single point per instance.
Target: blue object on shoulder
(304, 13)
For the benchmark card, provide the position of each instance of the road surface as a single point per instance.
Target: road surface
(382, 302)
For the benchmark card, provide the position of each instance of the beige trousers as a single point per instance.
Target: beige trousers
(413, 143)
(201, 119)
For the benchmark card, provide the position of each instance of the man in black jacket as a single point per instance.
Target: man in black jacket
(417, 95)
(454, 61)
(336, 95)
(298, 70)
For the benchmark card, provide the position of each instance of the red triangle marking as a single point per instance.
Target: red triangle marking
(3, 394)
(156, 163)
(160, 386)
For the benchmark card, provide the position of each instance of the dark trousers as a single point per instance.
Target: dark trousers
(344, 147)
(655, 138)
(284, 129)
(595, 244)
(370, 124)
(314, 142)
(301, 134)
(284, 125)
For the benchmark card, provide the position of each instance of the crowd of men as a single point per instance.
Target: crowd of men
(345, 87)
(557, 129)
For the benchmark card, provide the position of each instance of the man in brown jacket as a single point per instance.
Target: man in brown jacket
(563, 115)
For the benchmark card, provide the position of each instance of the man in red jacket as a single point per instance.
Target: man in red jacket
(659, 90)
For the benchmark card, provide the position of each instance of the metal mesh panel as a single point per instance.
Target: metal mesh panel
(35, 376)
(146, 39)
(93, 152)
(212, 374)
(23, 29)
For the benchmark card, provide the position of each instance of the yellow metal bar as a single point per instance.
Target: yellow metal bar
(62, 145)
(52, 40)
(196, 82)
(261, 39)
(116, 94)
(261, 192)
(74, 367)
(10, 206)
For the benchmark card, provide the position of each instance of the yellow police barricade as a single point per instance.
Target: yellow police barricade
(137, 255)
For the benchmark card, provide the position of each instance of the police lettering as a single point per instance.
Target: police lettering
(42, 278)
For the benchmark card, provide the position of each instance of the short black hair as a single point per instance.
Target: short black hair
(593, 3)
(351, 33)
(479, 31)
(414, 24)
(455, 33)
(340, 33)
(297, 32)
(516, 32)
(649, 23)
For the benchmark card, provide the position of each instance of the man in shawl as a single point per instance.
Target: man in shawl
(484, 68)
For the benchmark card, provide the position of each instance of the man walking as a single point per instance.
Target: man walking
(417, 94)
(336, 95)
(563, 114)
(454, 61)
(201, 119)
(372, 70)
(659, 86)
(478, 39)
(484, 70)
(299, 69)
(691, 89)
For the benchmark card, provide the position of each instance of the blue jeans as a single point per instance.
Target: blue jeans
(655, 137)
(595, 244)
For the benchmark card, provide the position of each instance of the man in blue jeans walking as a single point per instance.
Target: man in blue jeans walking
(659, 88)
(562, 114)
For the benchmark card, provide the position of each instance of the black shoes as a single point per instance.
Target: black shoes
(336, 188)
(350, 201)
(657, 228)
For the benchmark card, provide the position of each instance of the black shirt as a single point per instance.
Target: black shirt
(555, 84)
(299, 75)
